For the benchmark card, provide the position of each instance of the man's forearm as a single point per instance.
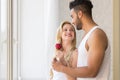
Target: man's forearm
(78, 72)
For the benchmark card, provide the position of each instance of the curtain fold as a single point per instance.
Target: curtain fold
(51, 22)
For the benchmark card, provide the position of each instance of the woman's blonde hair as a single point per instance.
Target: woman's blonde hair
(59, 34)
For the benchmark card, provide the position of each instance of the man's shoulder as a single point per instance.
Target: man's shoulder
(98, 37)
(98, 33)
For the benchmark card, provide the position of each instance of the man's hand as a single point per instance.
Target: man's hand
(57, 65)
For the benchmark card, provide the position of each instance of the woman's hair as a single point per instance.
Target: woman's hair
(59, 34)
(73, 44)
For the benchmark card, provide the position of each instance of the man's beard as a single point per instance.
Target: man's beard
(79, 24)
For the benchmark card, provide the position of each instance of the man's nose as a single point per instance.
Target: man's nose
(72, 22)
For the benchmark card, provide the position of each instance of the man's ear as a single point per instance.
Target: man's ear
(80, 14)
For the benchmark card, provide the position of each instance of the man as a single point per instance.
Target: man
(94, 51)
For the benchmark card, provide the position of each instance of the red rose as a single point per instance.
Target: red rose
(58, 46)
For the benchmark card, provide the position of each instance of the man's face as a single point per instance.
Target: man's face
(76, 20)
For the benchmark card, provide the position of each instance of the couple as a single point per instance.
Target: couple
(91, 61)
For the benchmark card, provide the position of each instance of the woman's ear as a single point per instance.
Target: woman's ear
(80, 14)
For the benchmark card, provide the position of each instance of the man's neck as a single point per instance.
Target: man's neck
(88, 25)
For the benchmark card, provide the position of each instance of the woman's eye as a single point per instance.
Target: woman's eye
(71, 29)
(65, 29)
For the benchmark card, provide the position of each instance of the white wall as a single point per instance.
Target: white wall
(103, 15)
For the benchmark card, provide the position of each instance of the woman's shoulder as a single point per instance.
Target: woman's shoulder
(75, 50)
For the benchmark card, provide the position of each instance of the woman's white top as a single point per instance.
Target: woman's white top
(59, 76)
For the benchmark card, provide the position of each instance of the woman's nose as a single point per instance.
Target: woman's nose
(68, 31)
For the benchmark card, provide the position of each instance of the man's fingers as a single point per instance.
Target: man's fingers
(54, 62)
(54, 59)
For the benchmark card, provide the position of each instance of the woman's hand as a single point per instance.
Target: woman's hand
(60, 57)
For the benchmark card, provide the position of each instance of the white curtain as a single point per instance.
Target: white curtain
(51, 13)
(3, 41)
(37, 21)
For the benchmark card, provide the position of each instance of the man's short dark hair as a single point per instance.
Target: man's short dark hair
(84, 5)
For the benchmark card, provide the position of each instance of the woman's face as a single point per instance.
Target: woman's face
(68, 32)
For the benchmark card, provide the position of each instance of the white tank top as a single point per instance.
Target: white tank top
(82, 59)
(59, 75)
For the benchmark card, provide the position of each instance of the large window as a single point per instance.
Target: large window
(27, 34)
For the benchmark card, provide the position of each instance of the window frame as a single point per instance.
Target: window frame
(116, 40)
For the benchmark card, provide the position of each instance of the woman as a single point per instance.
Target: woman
(66, 51)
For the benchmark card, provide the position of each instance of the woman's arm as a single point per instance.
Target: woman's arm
(73, 61)
(74, 58)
